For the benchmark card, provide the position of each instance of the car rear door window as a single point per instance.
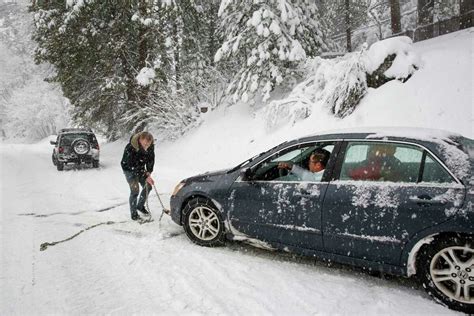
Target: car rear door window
(378, 161)
(434, 172)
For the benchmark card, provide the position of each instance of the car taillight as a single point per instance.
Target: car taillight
(97, 146)
(61, 150)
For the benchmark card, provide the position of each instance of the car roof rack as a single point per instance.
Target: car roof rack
(70, 130)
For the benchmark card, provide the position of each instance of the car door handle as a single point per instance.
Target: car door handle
(307, 195)
(426, 200)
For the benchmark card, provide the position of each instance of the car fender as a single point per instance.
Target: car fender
(411, 248)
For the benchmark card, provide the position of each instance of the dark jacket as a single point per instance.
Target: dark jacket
(135, 159)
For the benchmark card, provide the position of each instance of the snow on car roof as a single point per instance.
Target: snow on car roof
(446, 142)
(425, 134)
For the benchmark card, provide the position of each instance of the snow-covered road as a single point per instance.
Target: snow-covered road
(127, 268)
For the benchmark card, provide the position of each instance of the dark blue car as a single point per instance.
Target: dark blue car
(397, 201)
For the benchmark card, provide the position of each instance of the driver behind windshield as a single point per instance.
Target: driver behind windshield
(316, 164)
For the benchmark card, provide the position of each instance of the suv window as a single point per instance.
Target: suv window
(67, 139)
(379, 161)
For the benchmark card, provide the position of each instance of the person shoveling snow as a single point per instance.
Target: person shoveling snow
(137, 165)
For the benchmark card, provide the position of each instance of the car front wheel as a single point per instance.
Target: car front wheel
(203, 223)
(446, 270)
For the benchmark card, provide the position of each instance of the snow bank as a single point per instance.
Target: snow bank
(338, 85)
(402, 66)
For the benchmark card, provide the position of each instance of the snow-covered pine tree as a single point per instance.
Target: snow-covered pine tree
(344, 16)
(188, 37)
(125, 64)
(88, 43)
(266, 40)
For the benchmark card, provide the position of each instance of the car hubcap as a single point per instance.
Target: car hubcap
(204, 223)
(452, 272)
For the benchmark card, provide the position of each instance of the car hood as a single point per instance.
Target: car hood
(208, 176)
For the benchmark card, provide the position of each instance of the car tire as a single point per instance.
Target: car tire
(60, 166)
(446, 270)
(203, 223)
(95, 163)
(54, 160)
(81, 146)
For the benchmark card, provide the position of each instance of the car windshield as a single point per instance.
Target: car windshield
(246, 162)
(67, 139)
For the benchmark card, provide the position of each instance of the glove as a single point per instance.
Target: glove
(150, 181)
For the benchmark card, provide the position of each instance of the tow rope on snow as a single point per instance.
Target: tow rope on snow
(45, 245)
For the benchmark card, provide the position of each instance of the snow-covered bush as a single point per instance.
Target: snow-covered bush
(392, 58)
(337, 85)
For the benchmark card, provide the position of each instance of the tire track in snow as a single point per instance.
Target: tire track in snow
(74, 213)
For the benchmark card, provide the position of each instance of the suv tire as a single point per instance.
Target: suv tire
(446, 270)
(81, 146)
(60, 166)
(95, 163)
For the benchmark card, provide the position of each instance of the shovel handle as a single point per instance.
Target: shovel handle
(161, 202)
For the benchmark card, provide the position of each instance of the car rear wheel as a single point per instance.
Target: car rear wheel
(203, 223)
(55, 162)
(446, 270)
(95, 163)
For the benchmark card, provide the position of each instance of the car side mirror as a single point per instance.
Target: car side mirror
(52, 142)
(246, 174)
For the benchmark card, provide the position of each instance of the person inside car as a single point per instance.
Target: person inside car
(316, 164)
(137, 165)
(380, 165)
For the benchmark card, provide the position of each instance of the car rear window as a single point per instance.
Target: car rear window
(67, 139)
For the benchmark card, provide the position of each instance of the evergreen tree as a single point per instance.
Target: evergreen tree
(127, 64)
(267, 40)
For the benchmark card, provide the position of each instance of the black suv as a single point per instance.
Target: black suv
(75, 145)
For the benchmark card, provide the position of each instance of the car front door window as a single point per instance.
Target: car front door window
(297, 161)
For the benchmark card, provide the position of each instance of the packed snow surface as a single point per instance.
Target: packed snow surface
(128, 268)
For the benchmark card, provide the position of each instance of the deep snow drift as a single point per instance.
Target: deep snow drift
(126, 268)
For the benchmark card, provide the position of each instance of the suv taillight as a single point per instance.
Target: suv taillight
(96, 146)
(61, 150)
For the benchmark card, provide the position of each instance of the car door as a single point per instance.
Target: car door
(277, 207)
(370, 214)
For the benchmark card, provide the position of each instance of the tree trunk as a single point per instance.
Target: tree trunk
(425, 19)
(466, 11)
(177, 49)
(212, 41)
(347, 19)
(395, 16)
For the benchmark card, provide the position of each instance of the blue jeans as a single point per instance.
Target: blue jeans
(134, 181)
